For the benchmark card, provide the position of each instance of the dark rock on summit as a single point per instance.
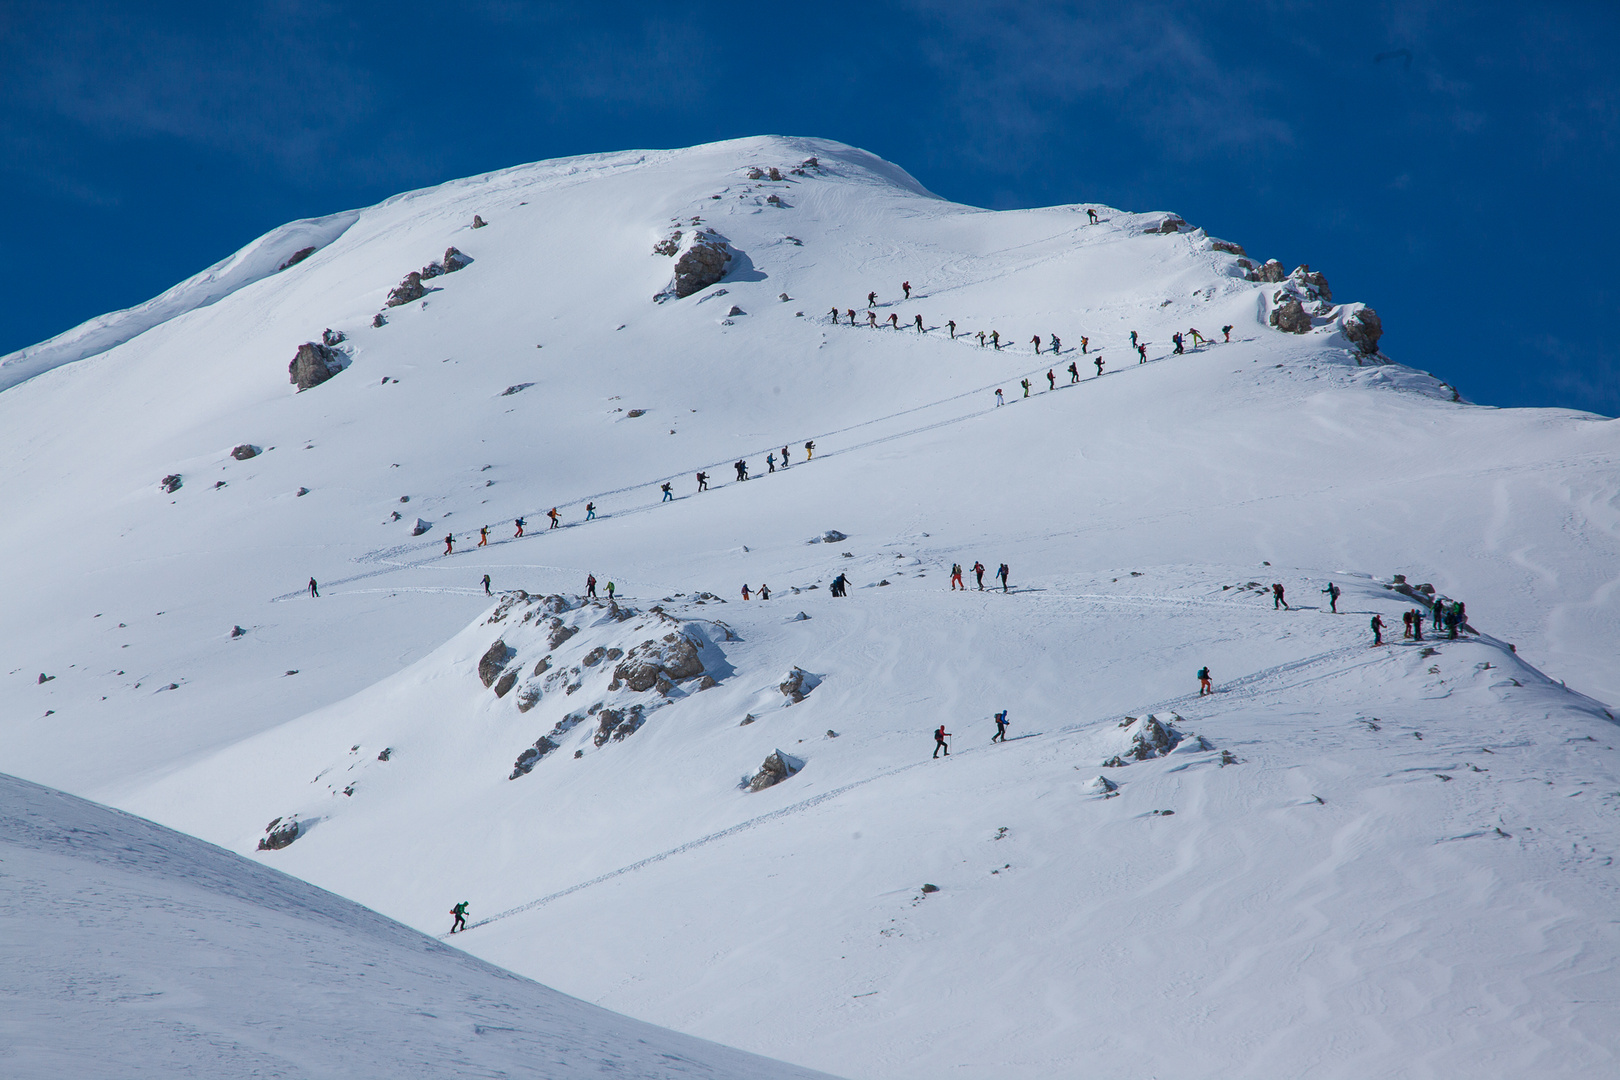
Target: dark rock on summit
(1289, 316)
(1313, 283)
(314, 364)
(494, 659)
(1364, 328)
(1227, 246)
(1271, 272)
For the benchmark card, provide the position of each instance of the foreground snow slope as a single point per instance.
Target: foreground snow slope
(1442, 909)
(134, 951)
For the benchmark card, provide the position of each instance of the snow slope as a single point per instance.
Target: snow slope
(1421, 919)
(134, 951)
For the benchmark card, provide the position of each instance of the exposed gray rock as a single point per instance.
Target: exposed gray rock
(420, 527)
(237, 631)
(313, 365)
(1227, 246)
(504, 684)
(775, 173)
(675, 658)
(756, 173)
(1272, 271)
(407, 290)
(494, 659)
(330, 336)
(930, 887)
(560, 633)
(1153, 739)
(478, 222)
(454, 260)
(702, 264)
(297, 257)
(378, 320)
(633, 413)
(531, 757)
(594, 657)
(528, 698)
(775, 769)
(707, 683)
(171, 483)
(670, 245)
(1364, 328)
(798, 685)
(278, 834)
(1289, 316)
(1171, 224)
(618, 724)
(1312, 283)
(432, 270)
(735, 310)
(245, 451)
(516, 388)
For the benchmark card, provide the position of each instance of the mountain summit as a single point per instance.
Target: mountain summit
(718, 812)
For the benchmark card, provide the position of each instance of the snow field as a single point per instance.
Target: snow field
(1254, 932)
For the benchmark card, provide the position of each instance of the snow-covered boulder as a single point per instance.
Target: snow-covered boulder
(455, 259)
(406, 291)
(279, 833)
(1310, 284)
(775, 769)
(798, 683)
(675, 658)
(702, 262)
(1289, 315)
(1363, 327)
(494, 660)
(314, 364)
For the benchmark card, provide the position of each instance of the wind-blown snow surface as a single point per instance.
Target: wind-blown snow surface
(1405, 867)
(134, 951)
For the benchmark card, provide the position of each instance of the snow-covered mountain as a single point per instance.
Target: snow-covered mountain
(1347, 860)
(134, 951)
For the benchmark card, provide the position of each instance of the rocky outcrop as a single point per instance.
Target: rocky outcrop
(1364, 328)
(702, 263)
(406, 291)
(1153, 737)
(279, 833)
(618, 724)
(478, 222)
(669, 246)
(314, 364)
(297, 257)
(1227, 246)
(1289, 315)
(330, 336)
(1311, 284)
(1171, 224)
(775, 769)
(1271, 272)
(245, 451)
(171, 483)
(504, 684)
(454, 260)
(798, 684)
(674, 658)
(493, 661)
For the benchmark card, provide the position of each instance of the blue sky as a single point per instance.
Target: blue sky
(1452, 165)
